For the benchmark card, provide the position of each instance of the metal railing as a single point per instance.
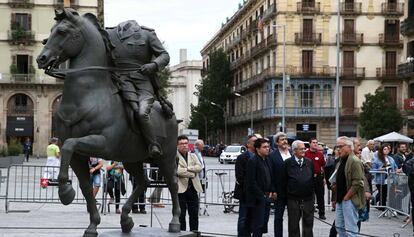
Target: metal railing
(386, 72)
(406, 69)
(390, 40)
(352, 38)
(407, 26)
(269, 12)
(392, 8)
(6, 78)
(21, 36)
(309, 7)
(350, 8)
(308, 38)
(21, 3)
(353, 73)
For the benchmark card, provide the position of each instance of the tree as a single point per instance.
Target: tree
(163, 78)
(379, 116)
(214, 88)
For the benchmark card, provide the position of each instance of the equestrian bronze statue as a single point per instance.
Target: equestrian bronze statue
(110, 105)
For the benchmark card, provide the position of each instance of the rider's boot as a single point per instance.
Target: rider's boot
(147, 129)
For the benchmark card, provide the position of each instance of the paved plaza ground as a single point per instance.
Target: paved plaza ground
(46, 220)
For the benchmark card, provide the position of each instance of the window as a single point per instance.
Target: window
(21, 21)
(391, 30)
(349, 30)
(348, 97)
(307, 30)
(307, 61)
(390, 63)
(306, 96)
(392, 93)
(276, 95)
(348, 63)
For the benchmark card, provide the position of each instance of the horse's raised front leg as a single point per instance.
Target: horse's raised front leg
(168, 169)
(93, 144)
(138, 172)
(80, 166)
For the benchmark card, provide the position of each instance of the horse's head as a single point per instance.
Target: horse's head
(65, 41)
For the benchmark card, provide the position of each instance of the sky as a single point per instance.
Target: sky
(179, 24)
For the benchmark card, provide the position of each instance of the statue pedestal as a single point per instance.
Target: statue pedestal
(147, 232)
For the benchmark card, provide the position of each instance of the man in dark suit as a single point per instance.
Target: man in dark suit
(299, 191)
(276, 159)
(259, 188)
(239, 189)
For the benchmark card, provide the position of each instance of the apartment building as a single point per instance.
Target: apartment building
(28, 97)
(370, 50)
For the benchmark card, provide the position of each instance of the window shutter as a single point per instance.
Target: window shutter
(30, 65)
(29, 22)
(13, 21)
(14, 59)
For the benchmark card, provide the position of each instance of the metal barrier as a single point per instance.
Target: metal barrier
(23, 186)
(391, 193)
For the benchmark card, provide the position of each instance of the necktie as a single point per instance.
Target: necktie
(300, 162)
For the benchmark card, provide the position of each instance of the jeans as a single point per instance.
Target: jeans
(346, 219)
(280, 205)
(242, 230)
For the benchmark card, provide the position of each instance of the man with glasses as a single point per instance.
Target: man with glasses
(276, 159)
(188, 183)
(298, 174)
(349, 186)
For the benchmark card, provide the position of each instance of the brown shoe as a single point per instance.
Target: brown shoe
(158, 205)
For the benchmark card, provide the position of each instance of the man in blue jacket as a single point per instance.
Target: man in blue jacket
(276, 159)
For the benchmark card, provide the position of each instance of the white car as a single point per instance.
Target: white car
(230, 153)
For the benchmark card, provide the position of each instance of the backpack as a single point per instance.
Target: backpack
(408, 167)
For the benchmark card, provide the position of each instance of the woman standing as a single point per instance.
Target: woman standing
(383, 162)
(115, 182)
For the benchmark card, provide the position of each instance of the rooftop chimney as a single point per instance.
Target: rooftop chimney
(183, 55)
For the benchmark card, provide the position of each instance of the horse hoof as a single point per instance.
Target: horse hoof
(66, 194)
(127, 225)
(90, 233)
(174, 228)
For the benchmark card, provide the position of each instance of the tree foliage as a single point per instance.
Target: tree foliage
(379, 116)
(164, 77)
(215, 87)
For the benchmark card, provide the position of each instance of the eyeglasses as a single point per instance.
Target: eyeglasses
(182, 143)
(340, 146)
(301, 149)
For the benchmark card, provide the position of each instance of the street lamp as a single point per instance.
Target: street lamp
(251, 112)
(284, 75)
(225, 120)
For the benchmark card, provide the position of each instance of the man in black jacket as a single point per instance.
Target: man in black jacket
(299, 191)
(259, 188)
(276, 159)
(239, 190)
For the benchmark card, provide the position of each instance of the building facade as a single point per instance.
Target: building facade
(185, 76)
(28, 97)
(370, 50)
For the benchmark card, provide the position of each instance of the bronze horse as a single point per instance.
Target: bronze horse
(92, 120)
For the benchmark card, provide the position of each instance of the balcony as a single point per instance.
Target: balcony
(21, 3)
(258, 49)
(254, 81)
(352, 8)
(236, 63)
(269, 13)
(300, 112)
(309, 7)
(245, 117)
(353, 73)
(243, 34)
(271, 41)
(17, 37)
(294, 71)
(236, 40)
(252, 27)
(389, 40)
(406, 69)
(392, 9)
(350, 112)
(386, 73)
(28, 79)
(407, 27)
(308, 39)
(353, 39)
(59, 4)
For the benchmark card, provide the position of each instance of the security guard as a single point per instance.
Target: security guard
(138, 47)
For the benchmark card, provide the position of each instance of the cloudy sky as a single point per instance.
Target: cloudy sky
(179, 23)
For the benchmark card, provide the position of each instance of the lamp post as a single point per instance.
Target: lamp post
(251, 111)
(284, 76)
(225, 120)
(337, 71)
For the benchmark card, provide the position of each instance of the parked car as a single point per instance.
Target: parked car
(230, 153)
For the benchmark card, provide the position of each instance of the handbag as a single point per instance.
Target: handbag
(44, 182)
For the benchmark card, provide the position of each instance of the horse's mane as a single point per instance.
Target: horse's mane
(91, 18)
